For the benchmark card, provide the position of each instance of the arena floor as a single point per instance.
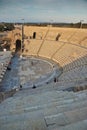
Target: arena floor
(27, 71)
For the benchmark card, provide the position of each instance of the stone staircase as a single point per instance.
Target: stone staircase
(5, 58)
(44, 110)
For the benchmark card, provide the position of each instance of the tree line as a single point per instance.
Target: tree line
(6, 27)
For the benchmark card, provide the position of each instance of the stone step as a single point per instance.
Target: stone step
(23, 122)
(81, 125)
(49, 97)
(39, 89)
(60, 119)
(65, 118)
(35, 104)
(40, 98)
(52, 94)
(64, 108)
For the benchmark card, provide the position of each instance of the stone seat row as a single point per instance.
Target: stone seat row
(58, 109)
(5, 58)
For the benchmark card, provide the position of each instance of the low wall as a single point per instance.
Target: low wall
(4, 95)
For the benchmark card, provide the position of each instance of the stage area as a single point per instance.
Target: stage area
(28, 71)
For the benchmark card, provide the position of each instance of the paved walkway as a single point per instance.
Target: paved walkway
(11, 78)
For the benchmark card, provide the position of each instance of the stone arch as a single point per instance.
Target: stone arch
(18, 45)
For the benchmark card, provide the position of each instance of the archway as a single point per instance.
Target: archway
(34, 35)
(18, 45)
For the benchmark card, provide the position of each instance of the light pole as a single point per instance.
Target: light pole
(22, 37)
(51, 22)
(81, 23)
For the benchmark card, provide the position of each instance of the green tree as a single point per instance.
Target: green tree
(1, 27)
(9, 26)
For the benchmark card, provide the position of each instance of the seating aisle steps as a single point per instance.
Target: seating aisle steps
(5, 58)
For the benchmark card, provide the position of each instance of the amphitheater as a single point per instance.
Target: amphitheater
(47, 83)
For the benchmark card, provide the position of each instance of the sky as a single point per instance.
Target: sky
(71, 11)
